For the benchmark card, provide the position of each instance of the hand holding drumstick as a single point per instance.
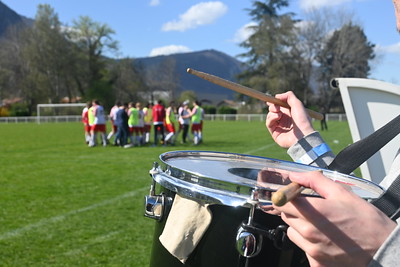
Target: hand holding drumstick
(337, 229)
(280, 123)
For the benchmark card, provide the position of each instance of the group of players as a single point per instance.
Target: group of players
(132, 123)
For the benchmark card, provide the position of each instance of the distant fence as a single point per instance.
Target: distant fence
(43, 119)
(208, 117)
(260, 117)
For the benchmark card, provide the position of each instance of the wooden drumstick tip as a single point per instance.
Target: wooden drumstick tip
(189, 70)
(279, 199)
(286, 194)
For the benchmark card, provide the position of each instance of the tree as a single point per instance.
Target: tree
(346, 54)
(311, 35)
(92, 39)
(48, 61)
(127, 80)
(16, 78)
(50, 57)
(187, 95)
(40, 61)
(162, 77)
(269, 57)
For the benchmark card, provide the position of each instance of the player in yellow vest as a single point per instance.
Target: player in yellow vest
(133, 123)
(91, 116)
(170, 120)
(196, 115)
(148, 119)
(85, 120)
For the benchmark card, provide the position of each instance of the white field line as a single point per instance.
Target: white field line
(44, 222)
(96, 240)
(259, 149)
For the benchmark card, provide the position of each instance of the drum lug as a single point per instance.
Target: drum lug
(155, 205)
(248, 244)
(277, 235)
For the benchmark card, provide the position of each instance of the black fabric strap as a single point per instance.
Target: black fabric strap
(357, 153)
(389, 202)
(354, 155)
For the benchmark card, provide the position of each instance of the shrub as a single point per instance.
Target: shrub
(226, 110)
(4, 112)
(210, 109)
(19, 110)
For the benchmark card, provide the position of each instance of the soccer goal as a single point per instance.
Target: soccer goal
(59, 112)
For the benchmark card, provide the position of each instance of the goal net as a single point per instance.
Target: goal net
(59, 112)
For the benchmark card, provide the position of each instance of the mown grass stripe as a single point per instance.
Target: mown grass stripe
(55, 219)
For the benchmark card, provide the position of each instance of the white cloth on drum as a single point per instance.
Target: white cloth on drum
(187, 221)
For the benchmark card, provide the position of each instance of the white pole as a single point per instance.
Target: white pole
(38, 114)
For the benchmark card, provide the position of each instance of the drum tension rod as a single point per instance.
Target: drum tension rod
(249, 243)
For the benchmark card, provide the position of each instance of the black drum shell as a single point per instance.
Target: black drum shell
(218, 245)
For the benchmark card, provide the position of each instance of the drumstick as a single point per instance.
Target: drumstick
(248, 91)
(286, 194)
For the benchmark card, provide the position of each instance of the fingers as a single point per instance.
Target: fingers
(297, 238)
(273, 107)
(273, 118)
(315, 208)
(293, 101)
(289, 97)
(303, 244)
(324, 186)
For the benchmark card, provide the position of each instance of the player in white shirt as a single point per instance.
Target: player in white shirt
(184, 121)
(112, 116)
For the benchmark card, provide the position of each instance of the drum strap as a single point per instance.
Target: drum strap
(389, 202)
(357, 153)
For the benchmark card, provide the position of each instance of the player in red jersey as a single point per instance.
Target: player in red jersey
(158, 121)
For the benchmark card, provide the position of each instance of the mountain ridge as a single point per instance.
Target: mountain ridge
(210, 61)
(11, 18)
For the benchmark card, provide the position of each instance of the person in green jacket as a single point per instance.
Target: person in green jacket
(196, 116)
(133, 123)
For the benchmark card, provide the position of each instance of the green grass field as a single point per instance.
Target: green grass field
(64, 204)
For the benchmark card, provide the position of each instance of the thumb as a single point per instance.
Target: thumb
(315, 180)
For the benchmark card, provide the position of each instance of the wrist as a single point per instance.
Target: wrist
(302, 133)
(311, 150)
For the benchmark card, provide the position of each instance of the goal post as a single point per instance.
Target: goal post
(66, 105)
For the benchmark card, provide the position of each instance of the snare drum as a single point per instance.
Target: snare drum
(240, 234)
